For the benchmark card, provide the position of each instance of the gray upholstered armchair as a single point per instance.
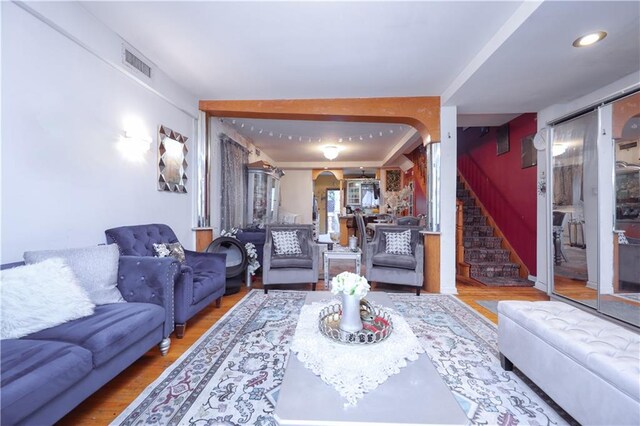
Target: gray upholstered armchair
(404, 269)
(290, 268)
(408, 220)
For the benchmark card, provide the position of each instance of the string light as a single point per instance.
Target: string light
(300, 138)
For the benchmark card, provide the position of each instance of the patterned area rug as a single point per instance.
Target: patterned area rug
(231, 375)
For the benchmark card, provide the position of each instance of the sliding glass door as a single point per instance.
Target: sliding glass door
(574, 209)
(595, 209)
(622, 298)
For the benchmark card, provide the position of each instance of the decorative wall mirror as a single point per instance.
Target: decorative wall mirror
(172, 161)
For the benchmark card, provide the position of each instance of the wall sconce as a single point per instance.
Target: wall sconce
(135, 142)
(330, 152)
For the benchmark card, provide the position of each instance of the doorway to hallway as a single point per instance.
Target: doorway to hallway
(334, 202)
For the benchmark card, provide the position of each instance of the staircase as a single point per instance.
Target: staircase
(482, 255)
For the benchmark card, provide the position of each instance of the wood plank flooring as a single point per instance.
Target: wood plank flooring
(103, 406)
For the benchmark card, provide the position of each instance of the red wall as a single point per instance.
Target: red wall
(507, 191)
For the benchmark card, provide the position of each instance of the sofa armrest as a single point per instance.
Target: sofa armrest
(372, 248)
(419, 255)
(149, 280)
(206, 262)
(314, 249)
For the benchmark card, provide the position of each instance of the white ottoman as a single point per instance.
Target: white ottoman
(588, 365)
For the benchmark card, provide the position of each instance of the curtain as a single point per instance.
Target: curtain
(234, 183)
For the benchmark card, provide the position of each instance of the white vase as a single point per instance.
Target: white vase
(350, 320)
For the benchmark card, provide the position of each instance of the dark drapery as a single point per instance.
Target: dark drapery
(234, 183)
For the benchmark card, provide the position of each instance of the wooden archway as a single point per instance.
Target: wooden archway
(422, 112)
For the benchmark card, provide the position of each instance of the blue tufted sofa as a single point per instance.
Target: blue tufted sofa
(48, 373)
(201, 280)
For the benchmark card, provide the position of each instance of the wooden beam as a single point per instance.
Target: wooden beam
(422, 112)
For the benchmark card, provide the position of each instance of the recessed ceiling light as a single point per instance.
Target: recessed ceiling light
(589, 39)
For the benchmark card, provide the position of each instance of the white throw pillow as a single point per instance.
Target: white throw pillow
(95, 267)
(39, 296)
(398, 242)
(286, 243)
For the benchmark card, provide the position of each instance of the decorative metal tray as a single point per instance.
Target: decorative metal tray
(377, 324)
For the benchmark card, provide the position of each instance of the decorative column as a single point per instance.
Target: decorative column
(203, 230)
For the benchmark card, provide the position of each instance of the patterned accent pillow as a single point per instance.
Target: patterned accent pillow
(286, 243)
(398, 242)
(170, 249)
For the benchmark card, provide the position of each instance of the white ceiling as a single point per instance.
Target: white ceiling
(291, 140)
(493, 60)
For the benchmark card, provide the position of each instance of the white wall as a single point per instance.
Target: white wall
(551, 113)
(296, 194)
(63, 179)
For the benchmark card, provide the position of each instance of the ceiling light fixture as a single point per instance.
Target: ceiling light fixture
(330, 152)
(589, 39)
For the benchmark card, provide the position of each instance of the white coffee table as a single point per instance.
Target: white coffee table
(415, 396)
(342, 253)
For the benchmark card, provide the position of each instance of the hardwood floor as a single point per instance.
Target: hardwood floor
(103, 406)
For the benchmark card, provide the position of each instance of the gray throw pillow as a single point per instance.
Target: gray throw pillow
(398, 242)
(174, 250)
(96, 269)
(286, 243)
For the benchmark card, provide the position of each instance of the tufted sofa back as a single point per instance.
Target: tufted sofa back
(138, 240)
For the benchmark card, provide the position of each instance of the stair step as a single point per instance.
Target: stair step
(505, 281)
(462, 193)
(470, 201)
(470, 231)
(469, 210)
(490, 269)
(479, 242)
(486, 255)
(474, 220)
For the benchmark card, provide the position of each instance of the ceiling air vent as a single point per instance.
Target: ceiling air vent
(135, 61)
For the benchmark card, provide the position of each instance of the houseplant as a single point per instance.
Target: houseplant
(352, 287)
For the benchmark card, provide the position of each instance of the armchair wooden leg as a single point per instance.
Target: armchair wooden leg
(265, 289)
(417, 291)
(180, 328)
(218, 301)
(313, 286)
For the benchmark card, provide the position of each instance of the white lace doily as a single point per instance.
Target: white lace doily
(353, 370)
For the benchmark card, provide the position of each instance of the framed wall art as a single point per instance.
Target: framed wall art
(172, 161)
(502, 138)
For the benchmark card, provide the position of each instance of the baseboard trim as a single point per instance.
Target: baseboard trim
(539, 285)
